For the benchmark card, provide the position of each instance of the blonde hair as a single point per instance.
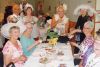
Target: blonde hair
(59, 7)
(13, 28)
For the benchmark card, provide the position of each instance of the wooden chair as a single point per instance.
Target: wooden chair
(71, 28)
(11, 64)
(71, 25)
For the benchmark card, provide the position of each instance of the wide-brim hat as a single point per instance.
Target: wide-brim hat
(90, 10)
(5, 29)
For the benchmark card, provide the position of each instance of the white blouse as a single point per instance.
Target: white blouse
(60, 27)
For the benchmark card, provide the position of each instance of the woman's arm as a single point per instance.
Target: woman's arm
(7, 59)
(22, 58)
(33, 45)
(53, 22)
(66, 27)
(75, 31)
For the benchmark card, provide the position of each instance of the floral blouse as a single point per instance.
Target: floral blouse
(10, 49)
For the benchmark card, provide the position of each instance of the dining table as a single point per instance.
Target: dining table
(46, 55)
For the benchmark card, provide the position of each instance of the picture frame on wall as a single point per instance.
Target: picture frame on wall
(97, 4)
(97, 18)
(97, 26)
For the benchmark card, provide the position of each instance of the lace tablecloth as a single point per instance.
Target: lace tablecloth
(60, 54)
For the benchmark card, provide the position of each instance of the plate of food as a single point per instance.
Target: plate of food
(62, 65)
(60, 53)
(43, 60)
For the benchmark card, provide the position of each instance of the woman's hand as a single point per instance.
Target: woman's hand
(23, 58)
(74, 31)
(35, 44)
(38, 42)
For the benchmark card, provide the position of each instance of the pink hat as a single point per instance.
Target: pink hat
(89, 24)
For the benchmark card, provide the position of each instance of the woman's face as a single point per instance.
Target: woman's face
(83, 11)
(15, 33)
(60, 12)
(29, 11)
(87, 30)
(29, 27)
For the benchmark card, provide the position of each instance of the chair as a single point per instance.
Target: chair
(11, 64)
(71, 25)
(1, 59)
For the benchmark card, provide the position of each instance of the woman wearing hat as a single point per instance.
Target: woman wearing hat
(86, 46)
(60, 23)
(27, 41)
(94, 58)
(29, 18)
(23, 5)
(84, 12)
(12, 50)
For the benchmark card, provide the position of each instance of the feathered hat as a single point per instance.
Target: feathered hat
(89, 9)
(28, 5)
(64, 6)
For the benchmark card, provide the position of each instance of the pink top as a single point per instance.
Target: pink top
(10, 49)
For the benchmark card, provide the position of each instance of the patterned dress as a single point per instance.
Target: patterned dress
(86, 49)
(10, 49)
(93, 60)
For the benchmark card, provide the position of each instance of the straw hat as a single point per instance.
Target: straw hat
(5, 28)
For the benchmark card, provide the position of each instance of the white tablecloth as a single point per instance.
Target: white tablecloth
(54, 59)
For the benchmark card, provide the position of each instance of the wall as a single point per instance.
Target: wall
(72, 4)
(4, 3)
